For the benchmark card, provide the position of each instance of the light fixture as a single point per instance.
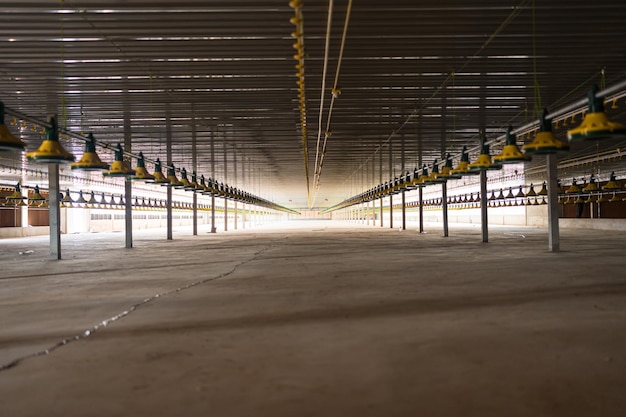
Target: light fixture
(596, 124)
(90, 161)
(511, 153)
(546, 141)
(51, 151)
(119, 167)
(8, 142)
(141, 173)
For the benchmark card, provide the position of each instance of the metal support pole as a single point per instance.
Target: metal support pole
(195, 214)
(483, 206)
(169, 214)
(213, 228)
(54, 211)
(553, 205)
(444, 205)
(194, 166)
(381, 211)
(403, 210)
(168, 143)
(128, 188)
(128, 213)
(421, 209)
(391, 211)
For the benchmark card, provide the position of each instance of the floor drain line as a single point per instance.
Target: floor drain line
(105, 323)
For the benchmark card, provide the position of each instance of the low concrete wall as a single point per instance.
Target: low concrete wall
(13, 232)
(596, 224)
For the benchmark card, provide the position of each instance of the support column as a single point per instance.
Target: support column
(195, 213)
(403, 210)
(553, 205)
(444, 205)
(421, 209)
(170, 235)
(194, 167)
(213, 228)
(54, 211)
(225, 183)
(128, 187)
(483, 206)
(128, 213)
(391, 211)
(168, 145)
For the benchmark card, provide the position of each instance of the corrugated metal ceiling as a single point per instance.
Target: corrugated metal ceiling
(417, 79)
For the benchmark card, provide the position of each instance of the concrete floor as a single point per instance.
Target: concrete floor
(315, 319)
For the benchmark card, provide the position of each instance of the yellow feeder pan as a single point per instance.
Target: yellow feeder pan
(444, 175)
(119, 167)
(483, 162)
(463, 168)
(545, 142)
(615, 198)
(67, 200)
(16, 197)
(603, 199)
(92, 200)
(51, 151)
(90, 161)
(208, 185)
(8, 142)
(184, 181)
(204, 188)
(574, 188)
(159, 178)
(81, 198)
(612, 184)
(596, 124)
(511, 154)
(141, 173)
(172, 180)
(193, 184)
(591, 187)
(419, 181)
(36, 198)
